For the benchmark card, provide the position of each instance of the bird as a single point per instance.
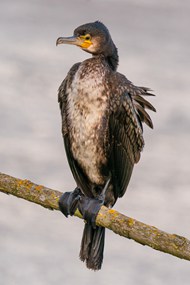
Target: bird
(102, 125)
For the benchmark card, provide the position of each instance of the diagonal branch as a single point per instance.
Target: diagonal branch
(120, 224)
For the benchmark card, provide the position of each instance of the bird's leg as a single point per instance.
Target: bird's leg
(105, 188)
(68, 202)
(89, 207)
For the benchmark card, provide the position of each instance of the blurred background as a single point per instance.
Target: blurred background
(41, 247)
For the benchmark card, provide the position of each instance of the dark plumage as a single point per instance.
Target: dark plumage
(102, 115)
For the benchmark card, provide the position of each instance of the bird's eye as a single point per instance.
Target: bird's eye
(87, 37)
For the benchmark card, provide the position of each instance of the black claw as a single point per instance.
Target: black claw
(68, 202)
(89, 209)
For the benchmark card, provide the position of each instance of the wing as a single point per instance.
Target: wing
(126, 132)
(140, 103)
(62, 96)
(79, 176)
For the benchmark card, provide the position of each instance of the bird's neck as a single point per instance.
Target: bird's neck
(111, 56)
(113, 61)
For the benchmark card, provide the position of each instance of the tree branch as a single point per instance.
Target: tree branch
(109, 218)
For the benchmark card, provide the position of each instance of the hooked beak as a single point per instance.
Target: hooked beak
(77, 41)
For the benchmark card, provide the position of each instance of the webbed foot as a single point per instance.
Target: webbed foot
(68, 202)
(89, 209)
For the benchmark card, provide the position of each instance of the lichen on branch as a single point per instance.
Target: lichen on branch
(109, 218)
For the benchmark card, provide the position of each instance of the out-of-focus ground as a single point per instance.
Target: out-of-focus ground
(40, 247)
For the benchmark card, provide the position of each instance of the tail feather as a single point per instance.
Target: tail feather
(92, 246)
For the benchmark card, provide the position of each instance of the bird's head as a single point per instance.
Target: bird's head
(93, 38)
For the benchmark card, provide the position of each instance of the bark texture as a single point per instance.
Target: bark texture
(109, 218)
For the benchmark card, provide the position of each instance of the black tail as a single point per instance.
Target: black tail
(92, 246)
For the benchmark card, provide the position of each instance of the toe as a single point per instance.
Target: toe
(89, 209)
(63, 204)
(68, 202)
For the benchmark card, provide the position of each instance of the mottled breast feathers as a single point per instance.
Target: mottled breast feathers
(123, 134)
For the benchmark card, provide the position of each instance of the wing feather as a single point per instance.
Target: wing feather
(144, 103)
(128, 113)
(126, 145)
(144, 116)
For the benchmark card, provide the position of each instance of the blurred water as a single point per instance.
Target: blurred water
(38, 246)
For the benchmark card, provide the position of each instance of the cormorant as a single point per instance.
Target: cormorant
(102, 115)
